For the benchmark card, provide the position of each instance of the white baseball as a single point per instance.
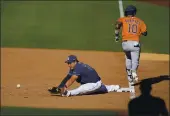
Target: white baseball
(18, 85)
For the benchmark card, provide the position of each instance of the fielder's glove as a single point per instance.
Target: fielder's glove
(54, 90)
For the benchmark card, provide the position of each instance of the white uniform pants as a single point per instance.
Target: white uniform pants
(92, 88)
(85, 88)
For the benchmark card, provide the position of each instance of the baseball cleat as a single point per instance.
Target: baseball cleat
(132, 90)
(131, 84)
(130, 78)
(116, 87)
(123, 90)
(136, 79)
(65, 94)
(132, 93)
(134, 76)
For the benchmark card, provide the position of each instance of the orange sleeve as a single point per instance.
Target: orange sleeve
(143, 27)
(120, 20)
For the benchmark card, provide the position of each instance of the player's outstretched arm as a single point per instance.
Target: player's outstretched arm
(63, 90)
(57, 89)
(63, 82)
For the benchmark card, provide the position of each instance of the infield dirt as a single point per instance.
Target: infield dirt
(38, 69)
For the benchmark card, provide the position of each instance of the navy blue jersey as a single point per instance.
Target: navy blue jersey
(85, 73)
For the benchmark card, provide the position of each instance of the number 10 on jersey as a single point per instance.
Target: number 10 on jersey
(132, 28)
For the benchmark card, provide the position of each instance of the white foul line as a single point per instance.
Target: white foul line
(121, 8)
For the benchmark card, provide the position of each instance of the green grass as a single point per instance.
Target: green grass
(68, 25)
(58, 112)
(83, 25)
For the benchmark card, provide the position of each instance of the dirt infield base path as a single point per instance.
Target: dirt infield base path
(38, 69)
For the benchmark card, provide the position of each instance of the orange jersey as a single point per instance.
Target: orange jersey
(132, 27)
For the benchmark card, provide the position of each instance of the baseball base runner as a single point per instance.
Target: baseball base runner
(132, 28)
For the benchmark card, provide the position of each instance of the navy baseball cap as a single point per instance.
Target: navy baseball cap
(71, 59)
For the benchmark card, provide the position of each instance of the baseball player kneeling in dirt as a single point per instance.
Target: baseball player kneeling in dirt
(85, 75)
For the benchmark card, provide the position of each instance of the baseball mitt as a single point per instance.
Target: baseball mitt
(54, 90)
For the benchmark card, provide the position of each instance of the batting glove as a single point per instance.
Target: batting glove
(116, 38)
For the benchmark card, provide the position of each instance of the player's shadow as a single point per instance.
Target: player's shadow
(146, 104)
